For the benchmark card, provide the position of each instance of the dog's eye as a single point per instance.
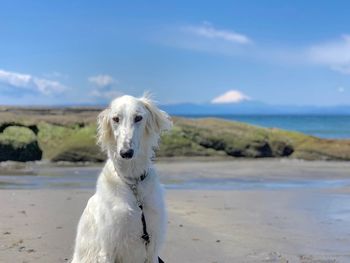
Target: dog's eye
(115, 119)
(138, 118)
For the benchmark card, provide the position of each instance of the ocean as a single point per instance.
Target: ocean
(323, 126)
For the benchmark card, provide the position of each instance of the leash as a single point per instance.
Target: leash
(145, 236)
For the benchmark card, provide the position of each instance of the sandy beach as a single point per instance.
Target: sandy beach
(219, 211)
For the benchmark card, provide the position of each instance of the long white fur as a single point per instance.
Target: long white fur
(110, 228)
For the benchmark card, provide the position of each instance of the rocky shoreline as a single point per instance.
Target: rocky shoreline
(68, 135)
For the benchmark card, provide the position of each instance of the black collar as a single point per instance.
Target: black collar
(131, 180)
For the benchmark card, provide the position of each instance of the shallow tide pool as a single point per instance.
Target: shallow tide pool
(85, 178)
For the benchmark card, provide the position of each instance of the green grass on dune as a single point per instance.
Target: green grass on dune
(235, 139)
(177, 143)
(52, 137)
(17, 136)
(243, 140)
(72, 143)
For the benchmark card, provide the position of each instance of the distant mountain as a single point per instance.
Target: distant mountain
(250, 107)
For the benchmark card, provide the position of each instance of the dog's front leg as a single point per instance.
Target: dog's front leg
(152, 260)
(104, 257)
(106, 253)
(152, 254)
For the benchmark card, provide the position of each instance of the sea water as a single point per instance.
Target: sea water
(323, 126)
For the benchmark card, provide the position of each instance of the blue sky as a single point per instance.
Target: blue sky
(77, 52)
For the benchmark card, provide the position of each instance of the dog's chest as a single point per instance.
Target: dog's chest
(129, 218)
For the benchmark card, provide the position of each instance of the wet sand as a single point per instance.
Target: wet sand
(258, 224)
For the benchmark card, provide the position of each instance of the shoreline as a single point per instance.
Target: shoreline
(175, 159)
(199, 174)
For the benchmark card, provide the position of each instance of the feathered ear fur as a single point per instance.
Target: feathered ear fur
(104, 130)
(158, 120)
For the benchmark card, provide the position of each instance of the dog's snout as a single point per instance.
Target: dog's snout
(127, 154)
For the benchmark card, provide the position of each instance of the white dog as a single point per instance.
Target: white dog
(124, 221)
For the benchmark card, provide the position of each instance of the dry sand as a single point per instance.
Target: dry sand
(309, 225)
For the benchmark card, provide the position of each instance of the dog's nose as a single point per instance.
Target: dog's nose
(127, 154)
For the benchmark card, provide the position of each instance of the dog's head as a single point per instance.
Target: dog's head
(130, 126)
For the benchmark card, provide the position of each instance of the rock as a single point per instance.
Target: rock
(80, 154)
(19, 144)
(258, 149)
(281, 148)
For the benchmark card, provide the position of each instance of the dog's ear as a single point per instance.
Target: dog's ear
(104, 130)
(157, 120)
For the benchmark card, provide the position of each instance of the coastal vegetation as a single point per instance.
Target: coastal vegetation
(70, 135)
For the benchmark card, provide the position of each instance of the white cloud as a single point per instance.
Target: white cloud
(334, 54)
(104, 87)
(15, 79)
(206, 30)
(101, 80)
(46, 86)
(31, 83)
(231, 96)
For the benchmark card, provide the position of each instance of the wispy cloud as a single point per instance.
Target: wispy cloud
(334, 54)
(207, 30)
(105, 94)
(30, 83)
(205, 37)
(102, 80)
(104, 87)
(231, 96)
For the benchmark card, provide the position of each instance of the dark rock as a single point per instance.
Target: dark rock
(258, 149)
(19, 144)
(282, 148)
(80, 154)
(235, 152)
